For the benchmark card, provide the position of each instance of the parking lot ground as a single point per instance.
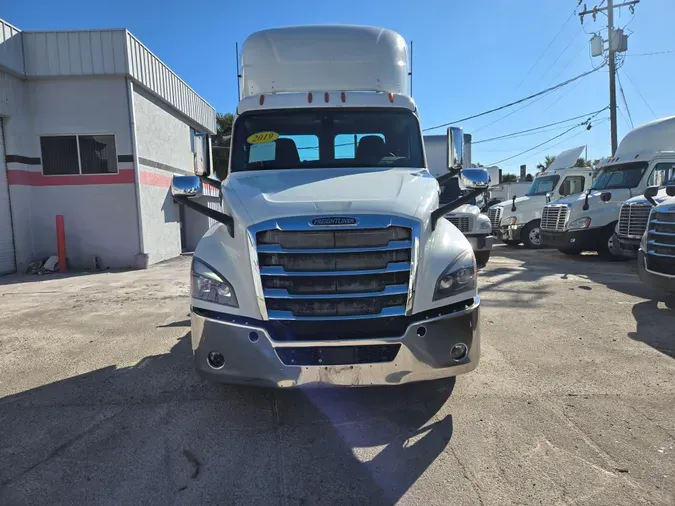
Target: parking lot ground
(573, 402)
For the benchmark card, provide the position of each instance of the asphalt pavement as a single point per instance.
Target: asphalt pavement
(573, 402)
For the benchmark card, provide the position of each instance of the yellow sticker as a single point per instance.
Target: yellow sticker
(262, 137)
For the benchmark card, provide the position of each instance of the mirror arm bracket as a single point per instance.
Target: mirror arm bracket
(223, 218)
(216, 184)
(443, 178)
(446, 208)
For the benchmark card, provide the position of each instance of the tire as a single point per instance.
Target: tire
(570, 251)
(482, 257)
(605, 250)
(511, 243)
(531, 235)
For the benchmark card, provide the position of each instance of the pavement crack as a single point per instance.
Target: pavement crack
(194, 461)
(59, 449)
(465, 472)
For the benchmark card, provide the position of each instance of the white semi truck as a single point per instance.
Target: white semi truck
(587, 221)
(467, 218)
(332, 262)
(656, 255)
(518, 219)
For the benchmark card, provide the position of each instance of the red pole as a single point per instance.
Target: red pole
(61, 242)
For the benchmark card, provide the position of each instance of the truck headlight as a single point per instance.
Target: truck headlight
(485, 225)
(584, 222)
(457, 277)
(511, 220)
(208, 285)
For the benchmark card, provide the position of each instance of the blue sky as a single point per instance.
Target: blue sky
(469, 56)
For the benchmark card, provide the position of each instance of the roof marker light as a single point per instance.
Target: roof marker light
(262, 99)
(343, 97)
(391, 97)
(325, 97)
(309, 97)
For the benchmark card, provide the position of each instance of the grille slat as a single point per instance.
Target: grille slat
(633, 220)
(661, 243)
(333, 274)
(463, 223)
(495, 215)
(554, 217)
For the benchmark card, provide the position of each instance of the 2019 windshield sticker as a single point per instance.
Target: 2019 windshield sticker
(262, 137)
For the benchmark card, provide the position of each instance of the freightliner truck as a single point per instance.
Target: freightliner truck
(518, 219)
(587, 221)
(656, 255)
(467, 218)
(331, 262)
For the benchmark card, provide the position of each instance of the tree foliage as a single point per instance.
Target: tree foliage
(529, 177)
(581, 162)
(509, 178)
(221, 144)
(547, 163)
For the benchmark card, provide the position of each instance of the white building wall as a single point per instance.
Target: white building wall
(99, 210)
(11, 48)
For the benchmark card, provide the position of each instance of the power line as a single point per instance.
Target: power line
(511, 113)
(583, 123)
(652, 54)
(540, 127)
(561, 54)
(623, 95)
(639, 93)
(564, 83)
(547, 47)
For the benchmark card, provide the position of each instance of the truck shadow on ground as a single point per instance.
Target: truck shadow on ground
(650, 320)
(155, 433)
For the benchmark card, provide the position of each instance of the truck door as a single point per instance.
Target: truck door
(662, 172)
(571, 185)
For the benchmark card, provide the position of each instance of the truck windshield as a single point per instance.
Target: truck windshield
(326, 138)
(625, 175)
(542, 185)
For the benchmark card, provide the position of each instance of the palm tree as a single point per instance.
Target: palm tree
(221, 144)
(547, 163)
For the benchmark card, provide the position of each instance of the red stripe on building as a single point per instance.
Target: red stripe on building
(31, 178)
(154, 179)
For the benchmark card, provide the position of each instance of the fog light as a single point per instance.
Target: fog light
(458, 352)
(215, 359)
(573, 240)
(253, 337)
(422, 331)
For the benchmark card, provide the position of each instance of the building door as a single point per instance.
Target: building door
(6, 237)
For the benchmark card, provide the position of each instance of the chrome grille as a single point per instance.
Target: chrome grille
(495, 215)
(661, 242)
(320, 273)
(463, 223)
(554, 217)
(633, 220)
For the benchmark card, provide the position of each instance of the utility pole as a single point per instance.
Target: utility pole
(613, 46)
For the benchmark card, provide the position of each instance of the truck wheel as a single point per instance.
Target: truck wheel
(570, 251)
(531, 235)
(511, 243)
(482, 257)
(606, 250)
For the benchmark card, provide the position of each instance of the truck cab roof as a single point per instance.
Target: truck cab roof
(644, 142)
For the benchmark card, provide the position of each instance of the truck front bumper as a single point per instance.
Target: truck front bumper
(661, 281)
(481, 242)
(254, 357)
(626, 247)
(584, 240)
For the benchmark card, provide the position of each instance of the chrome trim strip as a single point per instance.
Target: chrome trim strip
(282, 293)
(277, 270)
(393, 245)
(652, 252)
(659, 222)
(257, 280)
(660, 244)
(386, 312)
(670, 234)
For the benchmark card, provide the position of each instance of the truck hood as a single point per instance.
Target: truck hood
(466, 209)
(576, 202)
(661, 196)
(666, 204)
(257, 196)
(534, 202)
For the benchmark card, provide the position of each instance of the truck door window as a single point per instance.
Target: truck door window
(572, 185)
(542, 185)
(662, 174)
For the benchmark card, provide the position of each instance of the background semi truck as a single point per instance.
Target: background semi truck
(332, 262)
(518, 219)
(467, 218)
(587, 221)
(656, 255)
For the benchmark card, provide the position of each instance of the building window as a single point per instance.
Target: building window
(78, 154)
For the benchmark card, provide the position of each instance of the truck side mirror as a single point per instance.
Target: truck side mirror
(549, 196)
(670, 191)
(186, 186)
(475, 179)
(650, 193)
(606, 196)
(455, 145)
